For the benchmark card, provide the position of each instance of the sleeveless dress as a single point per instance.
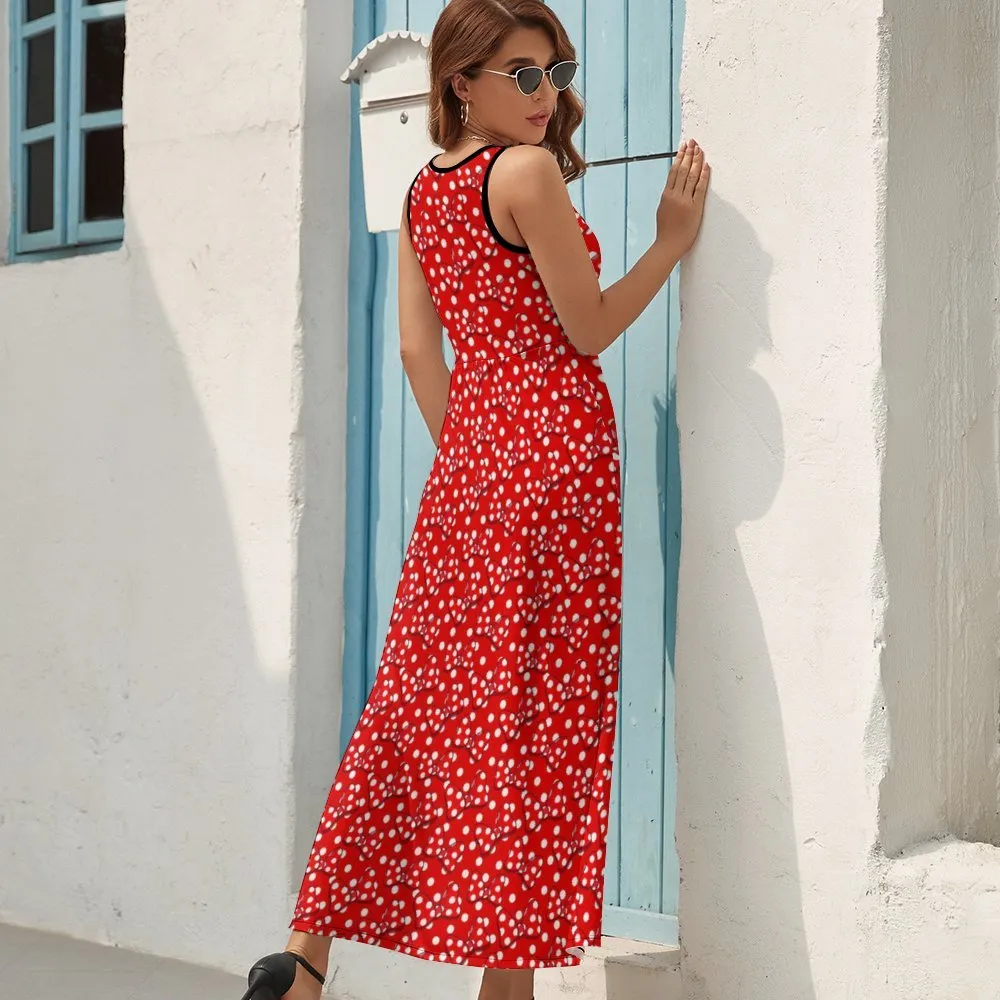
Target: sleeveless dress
(468, 818)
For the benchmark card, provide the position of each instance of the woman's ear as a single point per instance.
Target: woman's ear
(460, 85)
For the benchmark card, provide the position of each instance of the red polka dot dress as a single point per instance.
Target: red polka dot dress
(468, 817)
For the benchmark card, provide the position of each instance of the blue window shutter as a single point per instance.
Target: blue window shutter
(630, 54)
(63, 138)
(83, 125)
(360, 388)
(25, 141)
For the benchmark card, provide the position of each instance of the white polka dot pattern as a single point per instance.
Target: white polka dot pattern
(468, 818)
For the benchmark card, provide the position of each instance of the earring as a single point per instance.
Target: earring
(465, 113)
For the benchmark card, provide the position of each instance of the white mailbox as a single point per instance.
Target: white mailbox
(395, 84)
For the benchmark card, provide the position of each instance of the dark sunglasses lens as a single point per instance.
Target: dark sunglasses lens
(529, 79)
(562, 74)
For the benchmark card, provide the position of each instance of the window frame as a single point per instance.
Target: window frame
(70, 231)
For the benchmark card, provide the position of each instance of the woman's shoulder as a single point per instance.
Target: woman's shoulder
(527, 159)
(526, 170)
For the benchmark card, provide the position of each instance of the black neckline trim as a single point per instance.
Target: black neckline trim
(461, 163)
(488, 215)
(409, 205)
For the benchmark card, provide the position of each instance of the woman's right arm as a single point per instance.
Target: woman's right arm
(538, 201)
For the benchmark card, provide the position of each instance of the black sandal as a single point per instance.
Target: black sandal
(271, 977)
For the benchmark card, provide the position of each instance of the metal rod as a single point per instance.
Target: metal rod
(632, 159)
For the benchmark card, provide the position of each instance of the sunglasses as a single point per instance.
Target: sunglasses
(529, 78)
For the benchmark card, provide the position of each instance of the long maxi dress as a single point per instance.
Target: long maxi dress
(467, 821)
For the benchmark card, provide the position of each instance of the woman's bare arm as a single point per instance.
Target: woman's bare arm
(420, 338)
(527, 182)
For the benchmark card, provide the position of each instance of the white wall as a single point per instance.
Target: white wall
(777, 390)
(171, 487)
(937, 926)
(837, 639)
(942, 539)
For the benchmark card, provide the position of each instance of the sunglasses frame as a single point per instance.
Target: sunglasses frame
(545, 72)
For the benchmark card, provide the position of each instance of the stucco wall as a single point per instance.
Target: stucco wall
(837, 661)
(778, 368)
(942, 503)
(170, 478)
(937, 928)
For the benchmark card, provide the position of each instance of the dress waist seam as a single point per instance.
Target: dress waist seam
(473, 364)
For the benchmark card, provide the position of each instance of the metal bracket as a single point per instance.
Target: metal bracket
(632, 159)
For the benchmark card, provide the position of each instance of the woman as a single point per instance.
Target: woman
(468, 818)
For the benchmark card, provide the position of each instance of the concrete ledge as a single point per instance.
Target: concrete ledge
(621, 969)
(39, 963)
(939, 919)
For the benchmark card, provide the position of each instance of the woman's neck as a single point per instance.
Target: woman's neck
(473, 131)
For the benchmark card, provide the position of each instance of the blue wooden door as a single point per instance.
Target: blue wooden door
(630, 53)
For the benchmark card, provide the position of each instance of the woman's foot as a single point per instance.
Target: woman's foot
(305, 987)
(507, 984)
(315, 949)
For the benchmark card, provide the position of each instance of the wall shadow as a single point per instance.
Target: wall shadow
(741, 919)
(669, 503)
(324, 607)
(141, 797)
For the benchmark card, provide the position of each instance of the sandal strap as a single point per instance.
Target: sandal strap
(305, 965)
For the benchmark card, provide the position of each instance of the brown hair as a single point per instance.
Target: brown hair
(467, 34)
